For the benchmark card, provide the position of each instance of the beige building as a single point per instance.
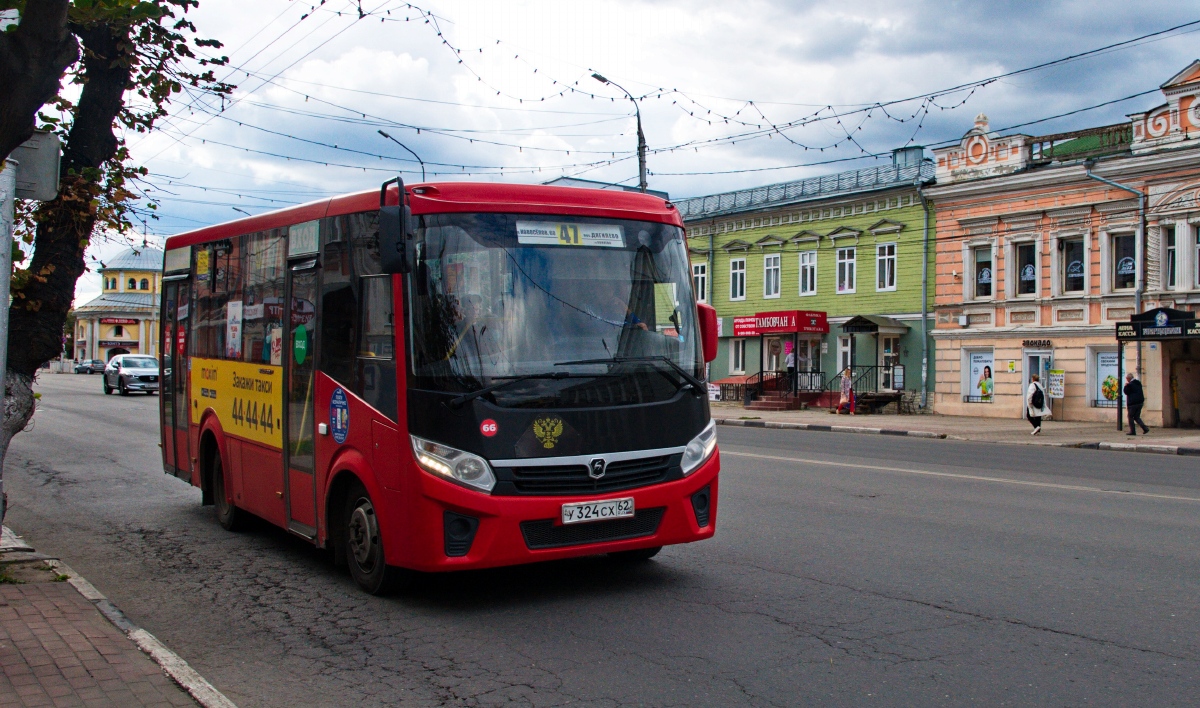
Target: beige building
(124, 318)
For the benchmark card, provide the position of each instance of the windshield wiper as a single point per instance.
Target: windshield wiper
(697, 385)
(466, 397)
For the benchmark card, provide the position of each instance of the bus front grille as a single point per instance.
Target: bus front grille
(544, 534)
(574, 479)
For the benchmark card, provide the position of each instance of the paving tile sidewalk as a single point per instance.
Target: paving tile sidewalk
(62, 643)
(1074, 434)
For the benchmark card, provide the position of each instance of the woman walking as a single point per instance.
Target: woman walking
(1036, 404)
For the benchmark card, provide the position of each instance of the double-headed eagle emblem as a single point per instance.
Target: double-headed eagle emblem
(547, 431)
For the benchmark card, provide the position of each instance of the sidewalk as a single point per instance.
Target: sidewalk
(1105, 436)
(62, 643)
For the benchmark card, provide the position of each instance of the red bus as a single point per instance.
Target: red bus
(445, 376)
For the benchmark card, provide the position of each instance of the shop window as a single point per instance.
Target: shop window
(737, 279)
(1170, 261)
(885, 266)
(808, 272)
(846, 270)
(1027, 269)
(771, 276)
(1124, 261)
(1072, 265)
(982, 263)
(700, 281)
(737, 356)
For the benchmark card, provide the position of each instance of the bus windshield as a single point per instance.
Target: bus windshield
(574, 310)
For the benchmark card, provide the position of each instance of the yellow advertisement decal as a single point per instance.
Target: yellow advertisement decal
(247, 397)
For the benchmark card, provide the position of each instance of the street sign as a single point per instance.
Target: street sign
(37, 167)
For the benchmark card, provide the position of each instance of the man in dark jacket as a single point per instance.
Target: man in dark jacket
(1135, 399)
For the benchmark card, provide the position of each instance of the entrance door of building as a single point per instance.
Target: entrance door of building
(845, 353)
(889, 356)
(1036, 362)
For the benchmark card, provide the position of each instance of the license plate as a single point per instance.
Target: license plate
(582, 512)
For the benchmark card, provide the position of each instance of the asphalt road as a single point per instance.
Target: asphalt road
(846, 569)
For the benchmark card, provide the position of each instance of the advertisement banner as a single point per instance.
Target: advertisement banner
(247, 398)
(982, 364)
(233, 329)
(1056, 383)
(1108, 386)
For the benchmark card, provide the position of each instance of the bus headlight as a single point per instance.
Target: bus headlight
(700, 448)
(453, 464)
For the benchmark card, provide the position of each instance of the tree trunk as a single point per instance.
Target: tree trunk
(32, 61)
(65, 224)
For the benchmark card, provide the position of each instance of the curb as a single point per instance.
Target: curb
(171, 663)
(1110, 447)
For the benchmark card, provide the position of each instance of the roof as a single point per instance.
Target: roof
(595, 184)
(455, 197)
(119, 301)
(868, 179)
(874, 323)
(145, 258)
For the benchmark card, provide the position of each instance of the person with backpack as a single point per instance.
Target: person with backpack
(1036, 404)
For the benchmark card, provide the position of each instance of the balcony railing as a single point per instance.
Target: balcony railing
(1080, 144)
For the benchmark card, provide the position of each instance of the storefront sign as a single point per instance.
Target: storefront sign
(1056, 383)
(116, 343)
(783, 322)
(1037, 344)
(118, 320)
(1161, 323)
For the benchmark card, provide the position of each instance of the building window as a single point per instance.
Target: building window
(737, 356)
(845, 270)
(1027, 269)
(132, 284)
(1124, 261)
(1171, 262)
(885, 266)
(808, 273)
(118, 331)
(771, 276)
(982, 257)
(1072, 265)
(700, 281)
(737, 279)
(144, 285)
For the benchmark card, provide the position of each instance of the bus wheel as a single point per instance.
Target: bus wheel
(228, 516)
(364, 547)
(635, 556)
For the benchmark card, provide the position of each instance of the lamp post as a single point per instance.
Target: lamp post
(641, 149)
(409, 152)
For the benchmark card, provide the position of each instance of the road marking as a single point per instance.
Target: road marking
(954, 475)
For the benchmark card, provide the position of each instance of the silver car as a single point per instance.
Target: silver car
(131, 372)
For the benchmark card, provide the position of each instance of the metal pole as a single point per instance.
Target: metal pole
(1140, 281)
(1120, 384)
(8, 193)
(409, 152)
(641, 147)
(924, 294)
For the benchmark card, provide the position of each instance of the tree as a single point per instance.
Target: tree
(33, 56)
(137, 56)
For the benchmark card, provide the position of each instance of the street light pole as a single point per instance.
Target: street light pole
(641, 148)
(409, 152)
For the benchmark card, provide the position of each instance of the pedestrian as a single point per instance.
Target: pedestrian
(1036, 404)
(790, 362)
(1135, 398)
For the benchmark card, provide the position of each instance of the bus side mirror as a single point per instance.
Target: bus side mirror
(708, 330)
(396, 245)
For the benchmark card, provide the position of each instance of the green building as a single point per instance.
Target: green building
(857, 246)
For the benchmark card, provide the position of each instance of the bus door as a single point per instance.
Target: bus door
(173, 384)
(299, 355)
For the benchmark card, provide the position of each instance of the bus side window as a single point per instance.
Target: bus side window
(375, 375)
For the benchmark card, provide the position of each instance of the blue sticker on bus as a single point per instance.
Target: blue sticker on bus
(339, 415)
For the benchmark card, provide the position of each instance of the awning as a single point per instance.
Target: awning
(874, 324)
(1159, 324)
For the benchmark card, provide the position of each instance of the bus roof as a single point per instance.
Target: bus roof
(454, 197)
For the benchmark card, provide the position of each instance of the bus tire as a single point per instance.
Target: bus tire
(229, 516)
(363, 547)
(637, 555)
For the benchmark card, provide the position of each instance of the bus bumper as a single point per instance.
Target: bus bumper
(667, 514)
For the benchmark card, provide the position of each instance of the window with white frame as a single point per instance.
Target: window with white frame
(981, 257)
(845, 270)
(885, 266)
(1123, 258)
(737, 279)
(737, 356)
(808, 272)
(1170, 257)
(771, 276)
(1072, 265)
(700, 281)
(1027, 275)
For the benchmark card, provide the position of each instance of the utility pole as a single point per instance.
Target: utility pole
(641, 145)
(8, 194)
(409, 152)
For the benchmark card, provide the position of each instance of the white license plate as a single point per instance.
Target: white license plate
(581, 512)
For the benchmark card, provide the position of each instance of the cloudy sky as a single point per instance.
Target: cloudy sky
(502, 90)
